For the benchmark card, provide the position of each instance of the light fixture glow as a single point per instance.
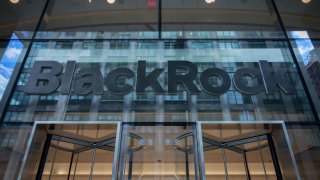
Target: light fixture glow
(209, 1)
(14, 1)
(111, 1)
(306, 1)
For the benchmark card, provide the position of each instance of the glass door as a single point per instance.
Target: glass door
(72, 151)
(78, 157)
(245, 151)
(248, 158)
(158, 152)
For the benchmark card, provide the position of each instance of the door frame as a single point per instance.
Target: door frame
(116, 150)
(200, 143)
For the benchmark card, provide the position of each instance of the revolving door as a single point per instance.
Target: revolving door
(184, 151)
(225, 151)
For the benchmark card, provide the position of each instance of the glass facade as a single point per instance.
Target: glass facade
(172, 75)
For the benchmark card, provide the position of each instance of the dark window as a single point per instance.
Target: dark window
(64, 45)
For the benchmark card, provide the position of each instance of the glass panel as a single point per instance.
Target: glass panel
(305, 140)
(12, 53)
(267, 160)
(58, 161)
(19, 18)
(235, 165)
(256, 167)
(307, 52)
(302, 15)
(12, 144)
(219, 19)
(214, 165)
(157, 152)
(227, 55)
(111, 19)
(243, 151)
(75, 151)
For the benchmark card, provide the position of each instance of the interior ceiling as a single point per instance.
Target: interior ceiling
(31, 8)
(67, 14)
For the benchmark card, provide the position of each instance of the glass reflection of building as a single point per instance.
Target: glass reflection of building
(172, 136)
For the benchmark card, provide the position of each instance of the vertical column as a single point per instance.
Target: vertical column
(160, 116)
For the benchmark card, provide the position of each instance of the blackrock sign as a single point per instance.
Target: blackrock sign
(44, 79)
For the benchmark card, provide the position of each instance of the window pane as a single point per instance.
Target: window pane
(83, 19)
(301, 15)
(20, 18)
(219, 19)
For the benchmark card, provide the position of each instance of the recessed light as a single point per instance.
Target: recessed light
(306, 1)
(111, 1)
(14, 1)
(209, 1)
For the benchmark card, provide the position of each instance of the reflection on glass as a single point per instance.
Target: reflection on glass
(8, 61)
(19, 17)
(111, 19)
(228, 55)
(301, 15)
(219, 19)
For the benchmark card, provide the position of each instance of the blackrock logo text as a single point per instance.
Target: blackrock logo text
(45, 78)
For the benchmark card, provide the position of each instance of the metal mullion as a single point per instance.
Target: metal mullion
(76, 163)
(130, 165)
(247, 140)
(245, 161)
(202, 171)
(116, 157)
(92, 164)
(94, 154)
(187, 160)
(75, 168)
(53, 162)
(223, 145)
(210, 148)
(225, 163)
(210, 141)
(82, 149)
(105, 142)
(44, 156)
(274, 157)
(70, 140)
(187, 166)
(195, 154)
(61, 148)
(107, 148)
(234, 149)
(70, 166)
(262, 159)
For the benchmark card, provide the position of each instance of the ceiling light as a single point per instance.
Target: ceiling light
(306, 1)
(209, 1)
(14, 1)
(111, 1)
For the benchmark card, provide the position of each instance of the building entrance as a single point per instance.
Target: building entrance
(130, 151)
(252, 156)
